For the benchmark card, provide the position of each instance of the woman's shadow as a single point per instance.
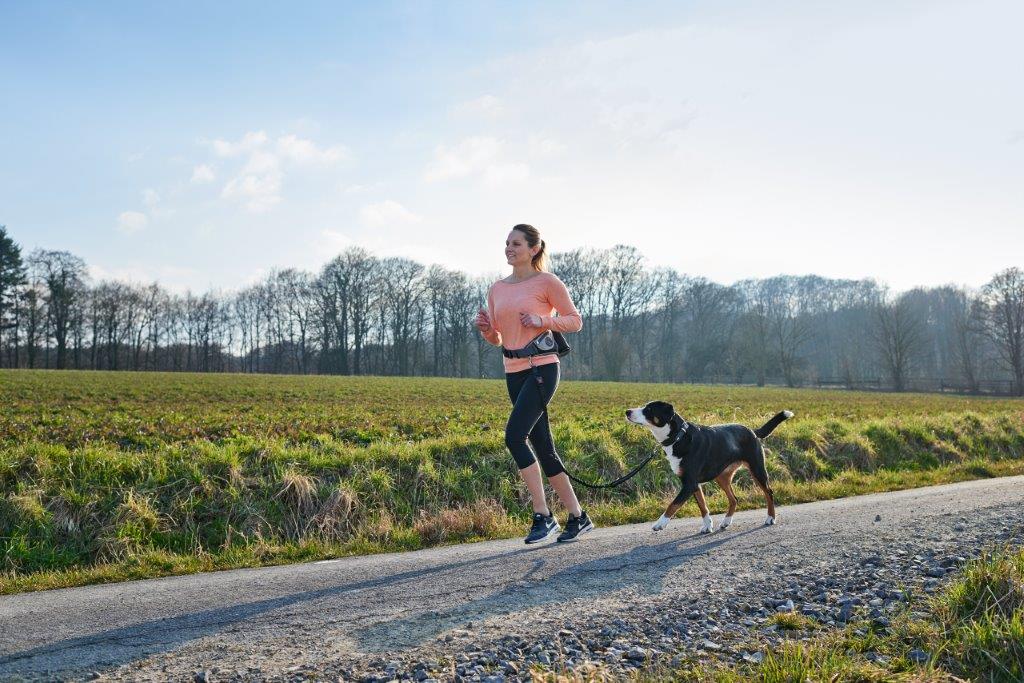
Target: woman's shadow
(589, 579)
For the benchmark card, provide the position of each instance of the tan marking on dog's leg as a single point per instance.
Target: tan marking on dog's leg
(724, 480)
(768, 497)
(701, 503)
(707, 524)
(673, 508)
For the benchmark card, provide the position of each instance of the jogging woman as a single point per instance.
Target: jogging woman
(519, 307)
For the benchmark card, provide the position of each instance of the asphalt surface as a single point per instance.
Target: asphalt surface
(351, 615)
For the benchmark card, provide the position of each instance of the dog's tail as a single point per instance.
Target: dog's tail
(769, 426)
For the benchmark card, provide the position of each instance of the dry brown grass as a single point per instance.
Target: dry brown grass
(334, 521)
(481, 518)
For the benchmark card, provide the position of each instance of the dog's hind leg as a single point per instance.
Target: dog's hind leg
(760, 475)
(685, 492)
(724, 480)
(707, 524)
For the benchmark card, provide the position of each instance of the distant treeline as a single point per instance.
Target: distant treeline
(361, 314)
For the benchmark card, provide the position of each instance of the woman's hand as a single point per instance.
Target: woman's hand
(530, 320)
(482, 321)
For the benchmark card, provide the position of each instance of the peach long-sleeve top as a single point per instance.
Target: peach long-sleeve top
(542, 294)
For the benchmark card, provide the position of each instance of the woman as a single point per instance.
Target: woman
(519, 308)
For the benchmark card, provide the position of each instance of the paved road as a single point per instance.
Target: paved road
(355, 612)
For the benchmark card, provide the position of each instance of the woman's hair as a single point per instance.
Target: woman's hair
(532, 234)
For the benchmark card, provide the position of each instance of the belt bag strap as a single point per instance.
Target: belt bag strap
(546, 342)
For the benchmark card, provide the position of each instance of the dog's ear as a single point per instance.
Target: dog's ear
(661, 413)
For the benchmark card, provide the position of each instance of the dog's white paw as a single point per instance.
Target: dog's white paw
(661, 523)
(708, 525)
(769, 521)
(726, 522)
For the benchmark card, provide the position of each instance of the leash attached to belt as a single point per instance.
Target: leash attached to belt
(626, 477)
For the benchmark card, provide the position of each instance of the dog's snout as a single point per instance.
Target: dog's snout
(628, 412)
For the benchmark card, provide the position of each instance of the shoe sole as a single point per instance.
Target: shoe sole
(589, 527)
(554, 530)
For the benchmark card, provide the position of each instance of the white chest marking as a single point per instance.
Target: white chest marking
(673, 461)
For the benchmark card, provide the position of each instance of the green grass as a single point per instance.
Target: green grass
(792, 621)
(110, 476)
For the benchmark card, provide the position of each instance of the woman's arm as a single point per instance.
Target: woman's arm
(490, 333)
(568, 318)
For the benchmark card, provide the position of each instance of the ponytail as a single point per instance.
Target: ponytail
(532, 234)
(540, 261)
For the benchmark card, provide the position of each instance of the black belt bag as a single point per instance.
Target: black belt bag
(546, 342)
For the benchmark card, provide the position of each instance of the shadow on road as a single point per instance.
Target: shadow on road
(645, 566)
(116, 647)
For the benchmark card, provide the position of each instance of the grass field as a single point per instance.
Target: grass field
(108, 476)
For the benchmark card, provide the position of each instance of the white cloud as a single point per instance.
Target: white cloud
(130, 222)
(257, 185)
(261, 162)
(469, 156)
(304, 151)
(476, 156)
(150, 197)
(249, 142)
(258, 193)
(482, 156)
(387, 213)
(202, 173)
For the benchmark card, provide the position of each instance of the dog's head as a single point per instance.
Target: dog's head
(657, 416)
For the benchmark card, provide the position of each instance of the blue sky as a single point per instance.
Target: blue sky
(203, 146)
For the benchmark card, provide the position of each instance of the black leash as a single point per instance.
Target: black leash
(626, 477)
(618, 481)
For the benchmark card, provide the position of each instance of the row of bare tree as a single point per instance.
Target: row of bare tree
(391, 316)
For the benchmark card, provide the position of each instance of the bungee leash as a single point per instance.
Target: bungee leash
(624, 478)
(611, 484)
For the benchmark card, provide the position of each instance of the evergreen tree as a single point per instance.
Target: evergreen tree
(12, 277)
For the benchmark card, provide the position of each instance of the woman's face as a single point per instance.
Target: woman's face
(517, 252)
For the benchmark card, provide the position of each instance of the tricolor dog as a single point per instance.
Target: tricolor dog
(699, 454)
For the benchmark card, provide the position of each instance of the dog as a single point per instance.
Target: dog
(699, 454)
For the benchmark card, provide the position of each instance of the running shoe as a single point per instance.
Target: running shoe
(543, 527)
(575, 526)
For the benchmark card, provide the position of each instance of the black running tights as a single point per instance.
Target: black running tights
(529, 421)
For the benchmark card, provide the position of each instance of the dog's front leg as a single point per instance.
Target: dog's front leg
(685, 492)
